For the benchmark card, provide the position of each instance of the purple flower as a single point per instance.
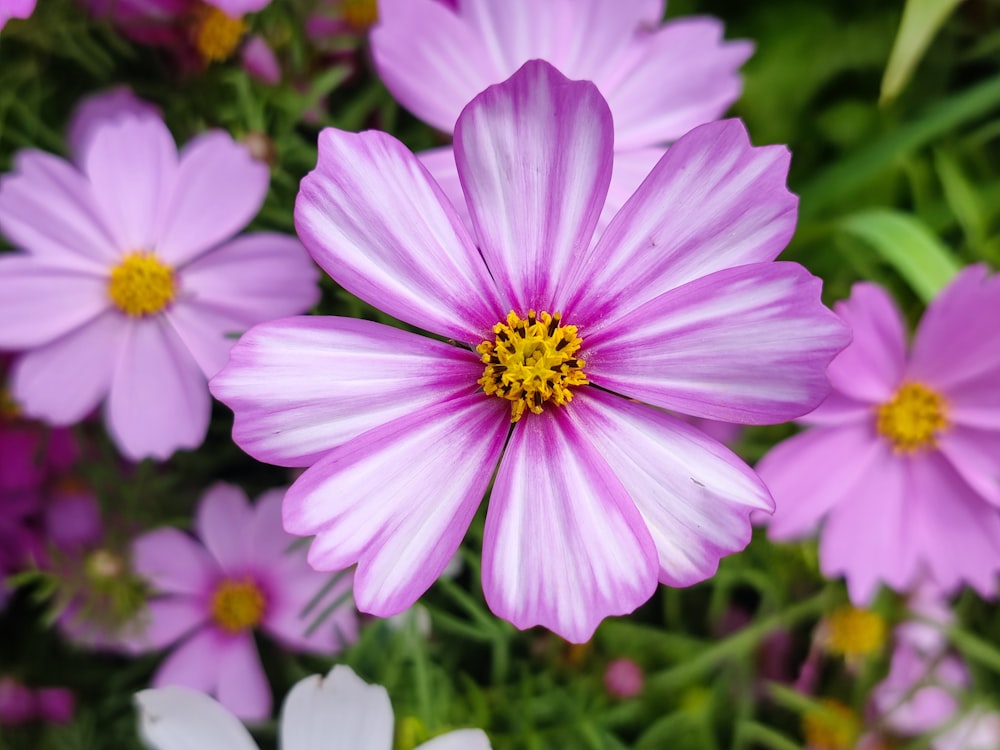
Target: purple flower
(597, 496)
(660, 80)
(213, 595)
(130, 286)
(900, 471)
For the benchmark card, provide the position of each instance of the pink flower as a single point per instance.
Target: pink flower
(19, 704)
(900, 471)
(660, 80)
(15, 9)
(130, 287)
(598, 496)
(623, 678)
(213, 595)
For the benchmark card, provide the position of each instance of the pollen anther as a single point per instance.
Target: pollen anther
(532, 362)
(141, 284)
(912, 419)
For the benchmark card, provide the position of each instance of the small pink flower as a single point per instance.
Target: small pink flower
(130, 287)
(599, 493)
(623, 678)
(659, 79)
(900, 473)
(240, 576)
(15, 9)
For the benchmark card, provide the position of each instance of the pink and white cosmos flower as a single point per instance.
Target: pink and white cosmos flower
(598, 493)
(211, 597)
(900, 473)
(659, 79)
(130, 285)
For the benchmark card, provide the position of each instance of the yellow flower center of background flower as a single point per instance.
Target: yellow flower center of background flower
(360, 14)
(532, 362)
(141, 284)
(238, 605)
(9, 408)
(216, 34)
(912, 419)
(836, 727)
(853, 632)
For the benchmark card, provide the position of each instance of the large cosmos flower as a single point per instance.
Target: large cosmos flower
(660, 80)
(210, 599)
(901, 472)
(337, 712)
(130, 287)
(598, 495)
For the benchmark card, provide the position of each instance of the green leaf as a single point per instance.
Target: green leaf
(921, 21)
(905, 243)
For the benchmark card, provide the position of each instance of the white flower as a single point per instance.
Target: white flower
(337, 712)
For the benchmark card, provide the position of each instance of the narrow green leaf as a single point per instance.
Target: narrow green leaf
(921, 21)
(962, 198)
(974, 648)
(905, 242)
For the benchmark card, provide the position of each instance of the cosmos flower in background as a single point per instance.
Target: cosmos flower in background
(337, 712)
(211, 594)
(659, 79)
(15, 9)
(598, 496)
(20, 704)
(915, 442)
(129, 287)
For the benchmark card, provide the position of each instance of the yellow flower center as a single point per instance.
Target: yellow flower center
(238, 605)
(216, 34)
(836, 727)
(854, 632)
(912, 418)
(532, 362)
(360, 14)
(9, 408)
(141, 285)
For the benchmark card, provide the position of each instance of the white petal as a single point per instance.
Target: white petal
(176, 718)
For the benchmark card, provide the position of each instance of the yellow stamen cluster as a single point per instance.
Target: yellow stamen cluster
(912, 419)
(836, 727)
(359, 14)
(238, 605)
(215, 34)
(854, 633)
(141, 285)
(532, 362)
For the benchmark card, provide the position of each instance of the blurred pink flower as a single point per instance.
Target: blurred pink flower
(129, 288)
(659, 79)
(259, 60)
(900, 473)
(15, 9)
(213, 593)
(20, 704)
(623, 678)
(598, 496)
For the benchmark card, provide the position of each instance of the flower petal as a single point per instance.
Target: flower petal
(177, 718)
(293, 589)
(398, 499)
(694, 494)
(93, 112)
(48, 210)
(630, 169)
(870, 536)
(41, 300)
(254, 278)
(871, 367)
(222, 520)
(975, 455)
(340, 708)
(797, 471)
(194, 663)
(956, 340)
(677, 77)
(243, 687)
(173, 562)
(159, 399)
(712, 202)
(301, 386)
(564, 545)
(460, 739)
(165, 621)
(64, 381)
(749, 344)
(131, 163)
(534, 155)
(217, 189)
(372, 217)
